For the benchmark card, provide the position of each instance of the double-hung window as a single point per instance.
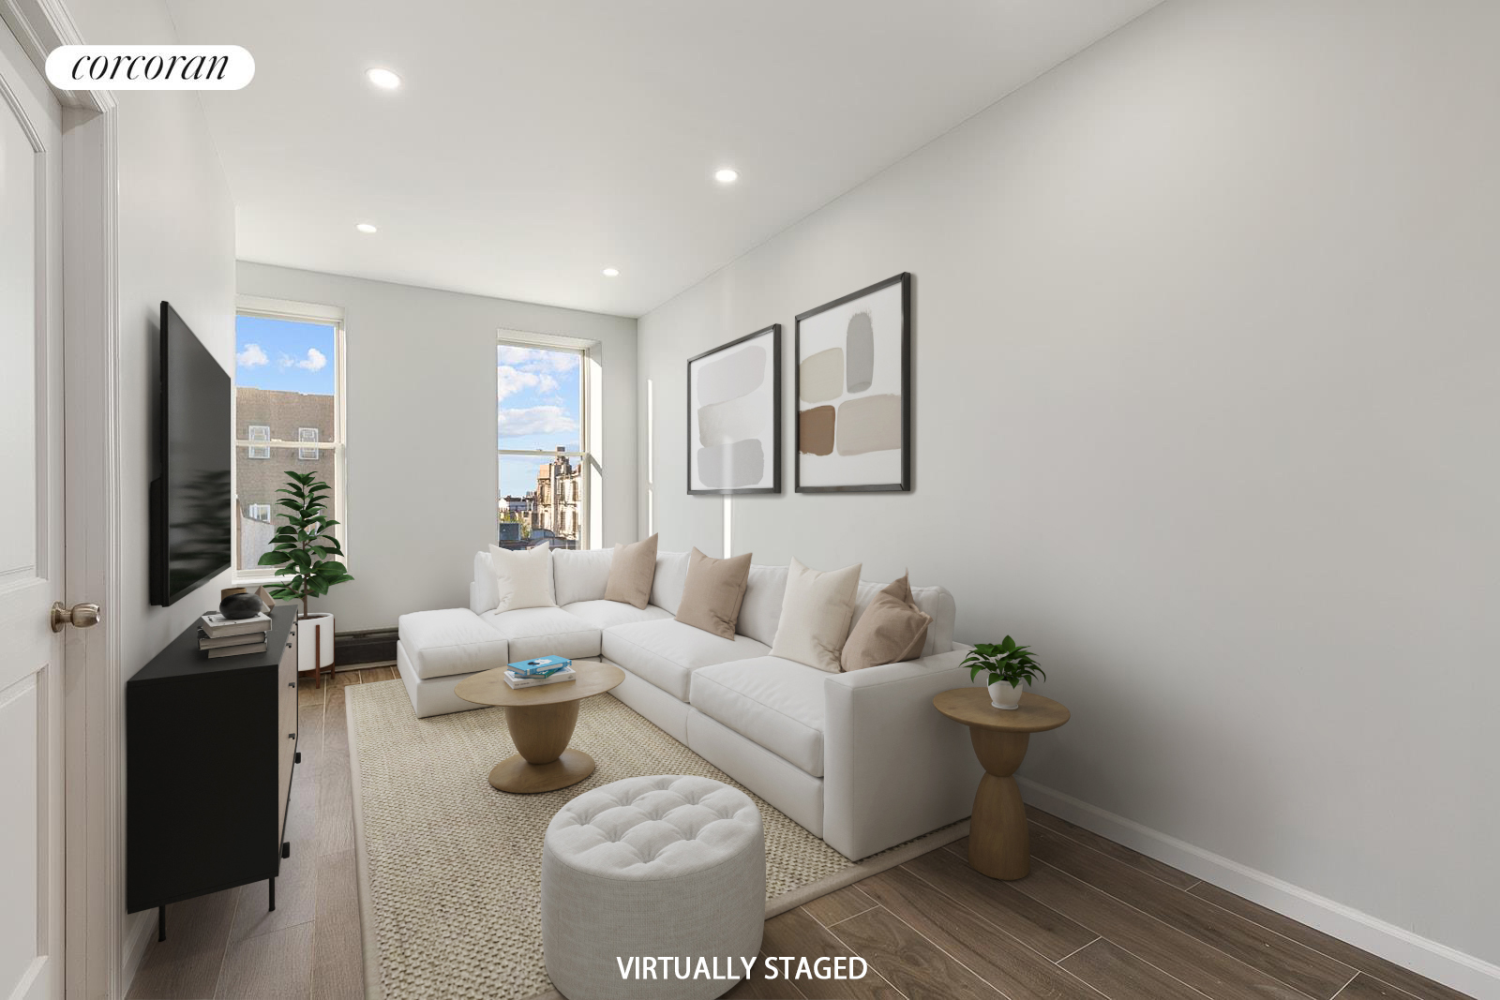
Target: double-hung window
(289, 417)
(545, 468)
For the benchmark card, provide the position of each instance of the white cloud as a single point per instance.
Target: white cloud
(314, 362)
(524, 420)
(536, 359)
(252, 357)
(512, 380)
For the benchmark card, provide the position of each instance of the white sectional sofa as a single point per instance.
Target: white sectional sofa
(861, 759)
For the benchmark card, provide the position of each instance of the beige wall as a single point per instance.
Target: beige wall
(1206, 373)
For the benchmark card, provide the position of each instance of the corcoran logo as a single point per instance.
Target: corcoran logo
(150, 67)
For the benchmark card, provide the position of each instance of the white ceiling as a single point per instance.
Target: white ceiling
(536, 142)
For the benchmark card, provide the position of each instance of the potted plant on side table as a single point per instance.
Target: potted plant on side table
(307, 556)
(1008, 665)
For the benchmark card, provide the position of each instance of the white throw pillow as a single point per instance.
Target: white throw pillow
(815, 615)
(522, 579)
(482, 593)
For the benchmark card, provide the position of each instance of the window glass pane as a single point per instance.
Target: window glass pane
(256, 483)
(539, 502)
(285, 379)
(539, 407)
(539, 396)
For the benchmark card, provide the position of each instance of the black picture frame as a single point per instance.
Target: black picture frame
(905, 484)
(774, 331)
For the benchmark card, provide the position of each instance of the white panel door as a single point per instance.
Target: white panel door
(31, 554)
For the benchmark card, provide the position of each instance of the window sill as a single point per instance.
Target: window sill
(259, 581)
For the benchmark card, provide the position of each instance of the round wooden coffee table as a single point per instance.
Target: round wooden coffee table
(541, 721)
(998, 844)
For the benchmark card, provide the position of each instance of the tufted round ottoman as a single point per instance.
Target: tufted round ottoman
(665, 867)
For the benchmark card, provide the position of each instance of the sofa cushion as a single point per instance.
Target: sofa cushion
(761, 611)
(891, 630)
(534, 632)
(482, 594)
(523, 577)
(815, 615)
(579, 574)
(935, 601)
(454, 641)
(773, 702)
(714, 592)
(631, 569)
(608, 614)
(670, 578)
(667, 652)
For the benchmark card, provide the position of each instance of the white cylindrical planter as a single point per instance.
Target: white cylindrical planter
(314, 641)
(1002, 695)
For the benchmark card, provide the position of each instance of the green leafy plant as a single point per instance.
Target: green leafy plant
(1005, 661)
(304, 549)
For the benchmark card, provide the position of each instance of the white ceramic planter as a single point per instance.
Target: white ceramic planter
(1002, 695)
(313, 631)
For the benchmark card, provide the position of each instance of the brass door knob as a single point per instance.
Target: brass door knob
(78, 616)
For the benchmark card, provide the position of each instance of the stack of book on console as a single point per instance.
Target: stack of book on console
(543, 670)
(220, 636)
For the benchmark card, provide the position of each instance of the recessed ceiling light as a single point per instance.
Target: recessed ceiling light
(365, 227)
(610, 272)
(727, 176)
(383, 78)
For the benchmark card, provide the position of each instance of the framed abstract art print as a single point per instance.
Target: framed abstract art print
(734, 416)
(853, 390)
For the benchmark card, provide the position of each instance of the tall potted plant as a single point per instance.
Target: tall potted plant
(307, 556)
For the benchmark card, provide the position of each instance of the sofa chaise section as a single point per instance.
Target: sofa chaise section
(437, 649)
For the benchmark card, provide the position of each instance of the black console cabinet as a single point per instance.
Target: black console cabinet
(209, 749)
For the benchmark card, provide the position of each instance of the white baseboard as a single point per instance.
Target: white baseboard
(139, 927)
(1432, 959)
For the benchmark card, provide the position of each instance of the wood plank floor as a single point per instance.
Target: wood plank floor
(1093, 920)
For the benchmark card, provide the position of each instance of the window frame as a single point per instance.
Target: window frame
(582, 458)
(320, 315)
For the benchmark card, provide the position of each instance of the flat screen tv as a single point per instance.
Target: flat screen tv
(191, 502)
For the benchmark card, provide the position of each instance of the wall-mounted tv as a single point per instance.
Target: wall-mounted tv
(191, 501)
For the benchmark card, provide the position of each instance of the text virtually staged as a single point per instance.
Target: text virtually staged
(778, 501)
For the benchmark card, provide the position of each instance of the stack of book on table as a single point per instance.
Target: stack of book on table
(220, 636)
(543, 670)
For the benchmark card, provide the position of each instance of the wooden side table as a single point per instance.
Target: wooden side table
(998, 844)
(541, 721)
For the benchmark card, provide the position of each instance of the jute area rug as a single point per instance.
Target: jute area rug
(450, 868)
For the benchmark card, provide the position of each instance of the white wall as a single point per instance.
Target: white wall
(1206, 410)
(421, 435)
(176, 242)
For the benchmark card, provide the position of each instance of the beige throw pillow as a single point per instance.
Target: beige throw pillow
(631, 570)
(523, 579)
(891, 630)
(815, 615)
(714, 591)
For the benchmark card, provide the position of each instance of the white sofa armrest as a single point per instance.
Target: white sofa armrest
(894, 767)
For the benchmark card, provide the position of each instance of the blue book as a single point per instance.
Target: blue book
(541, 665)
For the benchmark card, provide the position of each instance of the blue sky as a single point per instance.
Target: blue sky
(280, 354)
(537, 406)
